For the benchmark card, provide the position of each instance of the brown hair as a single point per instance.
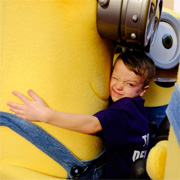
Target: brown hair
(139, 63)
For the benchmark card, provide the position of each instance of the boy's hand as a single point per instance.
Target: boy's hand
(33, 110)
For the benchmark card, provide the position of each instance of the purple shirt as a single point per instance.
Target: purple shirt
(126, 135)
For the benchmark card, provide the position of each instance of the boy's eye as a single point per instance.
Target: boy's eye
(114, 77)
(130, 84)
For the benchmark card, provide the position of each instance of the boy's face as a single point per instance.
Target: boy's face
(125, 83)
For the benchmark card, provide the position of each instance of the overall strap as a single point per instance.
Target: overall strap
(173, 112)
(45, 142)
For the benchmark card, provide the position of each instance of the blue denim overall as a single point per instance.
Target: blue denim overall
(173, 112)
(76, 169)
(156, 113)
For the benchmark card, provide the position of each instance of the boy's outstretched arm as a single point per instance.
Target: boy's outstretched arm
(37, 110)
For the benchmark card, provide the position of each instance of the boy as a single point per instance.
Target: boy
(124, 124)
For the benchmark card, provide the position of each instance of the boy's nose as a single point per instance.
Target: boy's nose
(119, 86)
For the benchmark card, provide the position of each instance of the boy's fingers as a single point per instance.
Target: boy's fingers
(15, 105)
(16, 111)
(33, 94)
(20, 96)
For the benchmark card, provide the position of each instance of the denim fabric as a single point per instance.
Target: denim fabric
(156, 113)
(173, 112)
(92, 169)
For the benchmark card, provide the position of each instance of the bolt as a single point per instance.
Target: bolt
(133, 36)
(103, 2)
(134, 18)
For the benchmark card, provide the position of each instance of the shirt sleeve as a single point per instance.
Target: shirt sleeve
(115, 126)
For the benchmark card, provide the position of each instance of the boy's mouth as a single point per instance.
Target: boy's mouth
(117, 94)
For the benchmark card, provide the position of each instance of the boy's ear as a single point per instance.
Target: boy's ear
(145, 88)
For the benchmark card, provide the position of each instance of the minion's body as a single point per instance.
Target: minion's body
(52, 47)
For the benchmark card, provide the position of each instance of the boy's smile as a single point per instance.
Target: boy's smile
(116, 93)
(125, 83)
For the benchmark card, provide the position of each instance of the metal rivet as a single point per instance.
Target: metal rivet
(133, 36)
(103, 2)
(134, 18)
(76, 171)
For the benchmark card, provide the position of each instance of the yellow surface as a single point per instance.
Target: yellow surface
(20, 173)
(52, 47)
(178, 75)
(173, 158)
(168, 10)
(157, 95)
(156, 168)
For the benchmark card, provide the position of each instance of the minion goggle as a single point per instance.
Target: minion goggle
(131, 23)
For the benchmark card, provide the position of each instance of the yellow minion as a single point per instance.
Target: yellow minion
(54, 48)
(163, 161)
